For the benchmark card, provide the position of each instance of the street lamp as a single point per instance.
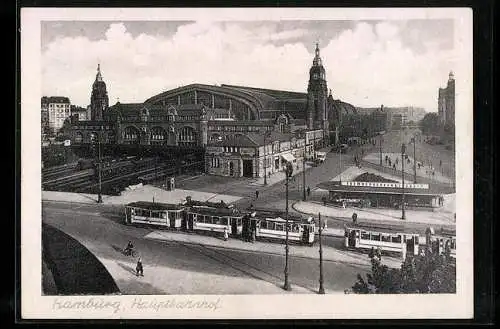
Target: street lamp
(304, 170)
(265, 158)
(321, 288)
(99, 194)
(288, 173)
(403, 149)
(414, 160)
(381, 140)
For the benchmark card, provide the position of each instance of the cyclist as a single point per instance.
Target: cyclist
(129, 248)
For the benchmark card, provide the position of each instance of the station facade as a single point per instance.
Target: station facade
(219, 119)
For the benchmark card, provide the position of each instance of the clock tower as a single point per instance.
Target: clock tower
(317, 95)
(99, 100)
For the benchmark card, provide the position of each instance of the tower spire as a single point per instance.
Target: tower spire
(98, 76)
(317, 58)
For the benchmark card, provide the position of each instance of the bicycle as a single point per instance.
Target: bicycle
(130, 252)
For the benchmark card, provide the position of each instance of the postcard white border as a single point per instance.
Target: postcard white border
(336, 306)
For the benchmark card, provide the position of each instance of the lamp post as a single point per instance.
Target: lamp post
(265, 158)
(99, 195)
(288, 173)
(381, 140)
(403, 149)
(304, 170)
(321, 288)
(340, 175)
(414, 160)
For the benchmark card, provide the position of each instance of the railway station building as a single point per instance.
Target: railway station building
(209, 117)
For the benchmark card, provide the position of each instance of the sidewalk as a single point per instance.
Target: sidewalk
(329, 253)
(143, 193)
(375, 214)
(424, 171)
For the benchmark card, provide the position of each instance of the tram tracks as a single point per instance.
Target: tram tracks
(237, 264)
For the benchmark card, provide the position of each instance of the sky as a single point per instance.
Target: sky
(368, 63)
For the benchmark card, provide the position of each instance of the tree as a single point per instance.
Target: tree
(428, 273)
(429, 124)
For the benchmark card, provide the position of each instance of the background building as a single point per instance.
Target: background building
(446, 103)
(197, 116)
(55, 110)
(79, 113)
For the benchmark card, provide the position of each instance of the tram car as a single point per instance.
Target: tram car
(205, 218)
(154, 213)
(271, 225)
(442, 241)
(387, 238)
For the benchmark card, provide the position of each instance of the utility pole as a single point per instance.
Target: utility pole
(265, 159)
(288, 172)
(304, 170)
(403, 149)
(321, 288)
(99, 195)
(340, 177)
(414, 161)
(381, 139)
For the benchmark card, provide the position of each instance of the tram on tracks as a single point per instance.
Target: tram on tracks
(214, 219)
(271, 225)
(397, 239)
(153, 213)
(386, 238)
(217, 217)
(442, 241)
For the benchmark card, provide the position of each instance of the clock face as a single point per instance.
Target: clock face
(315, 75)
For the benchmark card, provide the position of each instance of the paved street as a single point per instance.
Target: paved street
(428, 155)
(177, 267)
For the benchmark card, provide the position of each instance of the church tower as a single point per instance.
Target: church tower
(99, 100)
(317, 95)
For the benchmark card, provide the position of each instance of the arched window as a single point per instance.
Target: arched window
(187, 136)
(158, 135)
(131, 135)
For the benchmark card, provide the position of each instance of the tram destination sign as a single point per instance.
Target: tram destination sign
(384, 184)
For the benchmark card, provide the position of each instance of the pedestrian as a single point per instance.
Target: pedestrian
(139, 268)
(256, 194)
(225, 234)
(308, 191)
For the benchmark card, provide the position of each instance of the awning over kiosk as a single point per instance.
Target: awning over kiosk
(288, 157)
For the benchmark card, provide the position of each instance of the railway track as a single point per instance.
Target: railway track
(57, 172)
(85, 181)
(61, 182)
